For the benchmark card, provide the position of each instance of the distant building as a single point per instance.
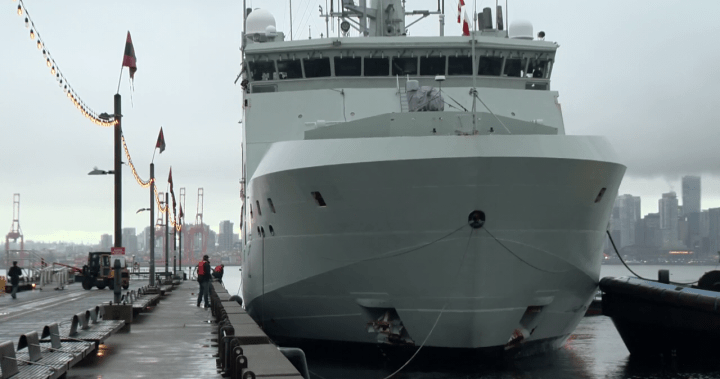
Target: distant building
(691, 195)
(106, 242)
(225, 237)
(129, 240)
(626, 213)
(713, 231)
(668, 206)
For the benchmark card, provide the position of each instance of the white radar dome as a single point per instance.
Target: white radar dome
(521, 30)
(259, 21)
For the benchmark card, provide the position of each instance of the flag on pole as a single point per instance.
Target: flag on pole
(129, 59)
(461, 3)
(466, 25)
(160, 142)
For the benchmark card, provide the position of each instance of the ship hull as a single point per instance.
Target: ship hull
(391, 258)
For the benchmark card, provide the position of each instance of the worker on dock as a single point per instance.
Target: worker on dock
(218, 272)
(15, 273)
(204, 277)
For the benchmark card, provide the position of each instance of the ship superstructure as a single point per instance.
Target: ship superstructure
(410, 190)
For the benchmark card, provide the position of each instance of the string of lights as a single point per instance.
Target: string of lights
(142, 183)
(102, 119)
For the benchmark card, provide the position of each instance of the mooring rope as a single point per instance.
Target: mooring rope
(633, 272)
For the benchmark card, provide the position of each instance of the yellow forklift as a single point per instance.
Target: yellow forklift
(99, 271)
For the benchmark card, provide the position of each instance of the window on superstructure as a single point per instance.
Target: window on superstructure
(404, 66)
(432, 66)
(348, 66)
(537, 68)
(377, 66)
(257, 202)
(317, 67)
(289, 69)
(272, 206)
(490, 66)
(514, 67)
(460, 66)
(262, 71)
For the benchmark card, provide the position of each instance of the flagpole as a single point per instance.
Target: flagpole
(120, 79)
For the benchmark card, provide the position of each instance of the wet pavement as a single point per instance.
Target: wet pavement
(172, 340)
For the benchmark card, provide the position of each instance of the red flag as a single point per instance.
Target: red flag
(129, 59)
(461, 3)
(160, 142)
(466, 25)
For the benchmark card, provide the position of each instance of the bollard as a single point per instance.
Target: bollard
(117, 289)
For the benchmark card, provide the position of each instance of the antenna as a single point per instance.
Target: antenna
(291, 28)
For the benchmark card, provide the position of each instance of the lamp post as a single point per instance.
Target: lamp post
(118, 228)
(117, 116)
(151, 237)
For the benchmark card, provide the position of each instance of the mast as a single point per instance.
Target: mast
(291, 29)
(475, 66)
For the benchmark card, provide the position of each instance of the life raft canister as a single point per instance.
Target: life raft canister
(201, 268)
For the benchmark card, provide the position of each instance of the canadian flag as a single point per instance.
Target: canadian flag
(461, 3)
(466, 24)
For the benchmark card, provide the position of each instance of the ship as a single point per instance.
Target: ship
(416, 190)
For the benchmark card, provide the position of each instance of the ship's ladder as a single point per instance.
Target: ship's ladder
(402, 95)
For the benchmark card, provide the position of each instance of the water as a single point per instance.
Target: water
(595, 350)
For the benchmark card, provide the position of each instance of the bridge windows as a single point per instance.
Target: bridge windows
(317, 67)
(404, 66)
(514, 67)
(261, 70)
(492, 66)
(347, 66)
(460, 66)
(432, 66)
(377, 66)
(289, 69)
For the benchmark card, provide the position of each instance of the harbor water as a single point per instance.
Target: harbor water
(595, 350)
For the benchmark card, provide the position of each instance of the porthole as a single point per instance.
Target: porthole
(318, 198)
(476, 219)
(262, 231)
(272, 231)
(272, 206)
(258, 228)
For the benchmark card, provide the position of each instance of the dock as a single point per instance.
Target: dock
(171, 337)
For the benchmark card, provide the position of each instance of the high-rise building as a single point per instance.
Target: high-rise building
(225, 237)
(129, 240)
(626, 217)
(668, 207)
(691, 194)
(714, 231)
(106, 242)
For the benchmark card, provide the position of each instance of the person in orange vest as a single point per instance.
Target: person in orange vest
(204, 277)
(219, 271)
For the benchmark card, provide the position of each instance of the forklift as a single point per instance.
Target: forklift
(99, 271)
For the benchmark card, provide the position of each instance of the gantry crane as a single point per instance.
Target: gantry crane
(198, 230)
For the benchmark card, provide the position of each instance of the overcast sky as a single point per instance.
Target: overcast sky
(645, 77)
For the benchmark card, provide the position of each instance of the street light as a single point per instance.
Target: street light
(97, 171)
(142, 210)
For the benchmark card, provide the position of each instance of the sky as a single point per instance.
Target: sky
(645, 77)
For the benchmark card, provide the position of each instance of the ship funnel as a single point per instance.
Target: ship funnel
(499, 14)
(486, 17)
